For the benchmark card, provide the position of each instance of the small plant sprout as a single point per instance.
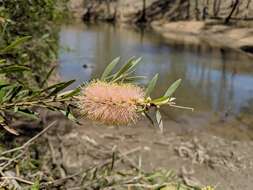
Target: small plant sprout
(115, 100)
(208, 188)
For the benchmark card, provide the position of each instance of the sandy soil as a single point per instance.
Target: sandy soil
(213, 33)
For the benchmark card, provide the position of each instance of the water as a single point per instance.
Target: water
(214, 80)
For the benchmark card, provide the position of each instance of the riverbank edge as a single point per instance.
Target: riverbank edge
(211, 33)
(237, 35)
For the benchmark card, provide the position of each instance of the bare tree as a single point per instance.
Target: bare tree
(187, 7)
(216, 7)
(205, 13)
(143, 16)
(197, 12)
(247, 11)
(235, 4)
(249, 1)
(107, 2)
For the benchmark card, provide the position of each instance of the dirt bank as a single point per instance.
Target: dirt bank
(199, 153)
(180, 20)
(197, 157)
(210, 32)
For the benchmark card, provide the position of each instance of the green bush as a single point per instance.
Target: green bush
(28, 53)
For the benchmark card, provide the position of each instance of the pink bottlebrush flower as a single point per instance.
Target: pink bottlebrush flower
(110, 103)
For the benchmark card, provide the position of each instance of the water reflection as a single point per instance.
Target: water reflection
(214, 80)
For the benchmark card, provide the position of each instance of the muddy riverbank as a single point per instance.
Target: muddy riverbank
(211, 32)
(180, 21)
(196, 157)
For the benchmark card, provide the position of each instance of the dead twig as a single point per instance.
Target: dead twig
(30, 141)
(121, 157)
(22, 148)
(17, 179)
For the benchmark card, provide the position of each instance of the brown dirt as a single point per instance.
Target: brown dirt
(200, 155)
(210, 32)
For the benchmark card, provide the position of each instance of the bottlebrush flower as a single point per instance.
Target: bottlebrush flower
(110, 103)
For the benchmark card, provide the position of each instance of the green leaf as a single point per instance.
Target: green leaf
(2, 91)
(13, 68)
(35, 186)
(47, 76)
(15, 44)
(3, 85)
(26, 113)
(159, 119)
(57, 87)
(2, 119)
(109, 68)
(132, 62)
(70, 93)
(11, 93)
(151, 85)
(161, 100)
(134, 78)
(60, 87)
(69, 115)
(15, 92)
(149, 118)
(2, 61)
(172, 88)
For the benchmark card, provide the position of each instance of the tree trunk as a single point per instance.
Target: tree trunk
(232, 11)
(216, 7)
(197, 12)
(108, 8)
(249, 1)
(143, 16)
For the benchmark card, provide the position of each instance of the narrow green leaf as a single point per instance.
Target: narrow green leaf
(11, 92)
(151, 85)
(161, 100)
(2, 119)
(134, 78)
(60, 87)
(70, 93)
(47, 76)
(3, 85)
(159, 119)
(132, 62)
(54, 86)
(35, 186)
(15, 44)
(109, 68)
(57, 87)
(13, 68)
(172, 88)
(69, 115)
(149, 118)
(27, 113)
(3, 90)
(178, 186)
(15, 92)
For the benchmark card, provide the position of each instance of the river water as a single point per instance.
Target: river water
(214, 80)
